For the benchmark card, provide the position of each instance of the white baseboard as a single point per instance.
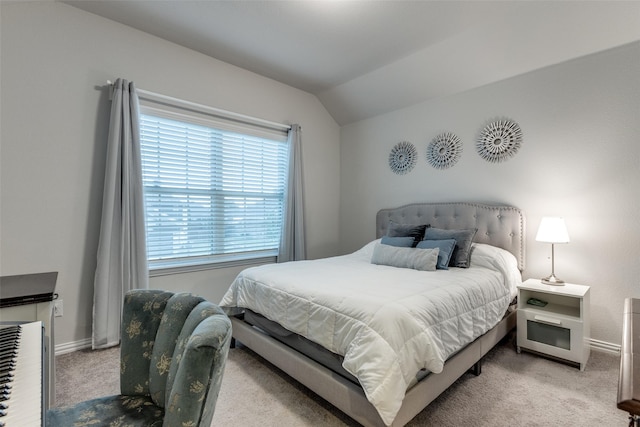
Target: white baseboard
(73, 346)
(604, 346)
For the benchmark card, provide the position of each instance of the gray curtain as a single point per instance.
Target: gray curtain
(122, 254)
(292, 241)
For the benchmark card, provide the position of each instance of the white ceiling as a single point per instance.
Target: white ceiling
(364, 58)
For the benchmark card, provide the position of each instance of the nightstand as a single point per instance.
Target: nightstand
(561, 328)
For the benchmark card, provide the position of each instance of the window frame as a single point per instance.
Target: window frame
(201, 115)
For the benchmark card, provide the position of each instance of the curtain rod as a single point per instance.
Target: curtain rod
(152, 96)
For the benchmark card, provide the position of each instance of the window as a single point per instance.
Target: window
(214, 191)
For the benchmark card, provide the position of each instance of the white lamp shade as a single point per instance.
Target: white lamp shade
(552, 230)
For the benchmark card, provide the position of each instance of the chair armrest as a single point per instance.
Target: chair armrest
(196, 385)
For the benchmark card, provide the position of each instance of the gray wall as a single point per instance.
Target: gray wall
(580, 159)
(55, 62)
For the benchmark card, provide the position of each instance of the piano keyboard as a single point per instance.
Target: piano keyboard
(21, 370)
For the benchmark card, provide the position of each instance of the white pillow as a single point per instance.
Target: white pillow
(417, 259)
(494, 258)
(366, 251)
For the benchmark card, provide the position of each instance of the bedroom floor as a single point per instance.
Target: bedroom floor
(513, 390)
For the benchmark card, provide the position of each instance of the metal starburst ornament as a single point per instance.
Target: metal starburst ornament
(499, 140)
(403, 157)
(444, 151)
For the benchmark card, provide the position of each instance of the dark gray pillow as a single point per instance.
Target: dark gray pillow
(446, 250)
(407, 230)
(463, 238)
(401, 242)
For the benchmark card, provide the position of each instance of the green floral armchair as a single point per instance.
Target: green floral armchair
(172, 355)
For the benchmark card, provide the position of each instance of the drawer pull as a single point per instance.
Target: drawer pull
(549, 320)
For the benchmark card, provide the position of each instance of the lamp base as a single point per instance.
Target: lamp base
(552, 280)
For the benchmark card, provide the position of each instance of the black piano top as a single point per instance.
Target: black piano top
(27, 288)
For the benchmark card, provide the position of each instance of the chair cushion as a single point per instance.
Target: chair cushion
(175, 313)
(130, 411)
(141, 315)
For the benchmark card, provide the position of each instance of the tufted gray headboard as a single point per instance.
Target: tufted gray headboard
(501, 226)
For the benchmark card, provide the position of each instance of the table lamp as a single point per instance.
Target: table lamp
(552, 230)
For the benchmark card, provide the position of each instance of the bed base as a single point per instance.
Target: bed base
(349, 397)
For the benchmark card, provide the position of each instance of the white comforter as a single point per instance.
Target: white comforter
(387, 322)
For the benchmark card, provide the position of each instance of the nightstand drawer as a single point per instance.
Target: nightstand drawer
(556, 335)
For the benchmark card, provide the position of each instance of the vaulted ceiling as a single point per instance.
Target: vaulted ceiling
(364, 58)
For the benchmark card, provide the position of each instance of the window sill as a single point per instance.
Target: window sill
(190, 268)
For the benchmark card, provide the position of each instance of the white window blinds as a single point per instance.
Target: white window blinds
(211, 194)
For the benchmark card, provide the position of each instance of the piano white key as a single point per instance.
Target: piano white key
(25, 402)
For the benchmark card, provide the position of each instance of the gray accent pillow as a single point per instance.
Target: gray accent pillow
(446, 250)
(462, 251)
(402, 242)
(406, 230)
(417, 259)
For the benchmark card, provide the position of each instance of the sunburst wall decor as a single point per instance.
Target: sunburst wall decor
(499, 140)
(403, 157)
(444, 150)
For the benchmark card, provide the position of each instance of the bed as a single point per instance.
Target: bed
(381, 342)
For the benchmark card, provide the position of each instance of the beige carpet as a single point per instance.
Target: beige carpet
(513, 390)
